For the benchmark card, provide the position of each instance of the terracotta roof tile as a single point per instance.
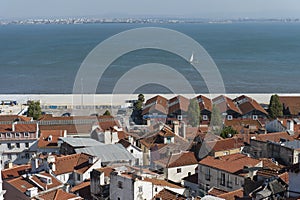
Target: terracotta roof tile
(215, 191)
(18, 128)
(106, 170)
(12, 118)
(178, 159)
(81, 186)
(204, 103)
(178, 103)
(291, 103)
(274, 137)
(166, 194)
(69, 163)
(20, 184)
(224, 104)
(231, 163)
(70, 128)
(247, 104)
(45, 141)
(15, 171)
(37, 179)
(154, 104)
(232, 195)
(159, 182)
(58, 195)
(225, 144)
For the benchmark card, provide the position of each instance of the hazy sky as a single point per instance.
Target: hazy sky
(176, 8)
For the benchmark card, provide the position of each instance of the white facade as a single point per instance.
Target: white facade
(176, 174)
(106, 137)
(80, 177)
(18, 147)
(123, 187)
(137, 153)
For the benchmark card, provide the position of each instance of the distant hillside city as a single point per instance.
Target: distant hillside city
(85, 20)
(156, 148)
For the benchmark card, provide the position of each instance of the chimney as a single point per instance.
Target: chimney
(9, 165)
(13, 128)
(290, 125)
(65, 133)
(183, 129)
(34, 164)
(176, 127)
(31, 192)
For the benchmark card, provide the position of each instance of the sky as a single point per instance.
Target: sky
(16, 9)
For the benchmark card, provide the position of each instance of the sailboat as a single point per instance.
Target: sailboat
(192, 58)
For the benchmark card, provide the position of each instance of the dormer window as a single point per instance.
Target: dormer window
(229, 117)
(17, 135)
(26, 134)
(8, 135)
(254, 117)
(205, 117)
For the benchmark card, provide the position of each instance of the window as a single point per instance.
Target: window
(254, 117)
(26, 134)
(131, 150)
(18, 145)
(78, 177)
(27, 155)
(17, 135)
(222, 179)
(205, 117)
(229, 117)
(168, 140)
(26, 144)
(155, 189)
(236, 181)
(9, 156)
(189, 174)
(141, 189)
(207, 174)
(178, 170)
(9, 145)
(120, 184)
(8, 135)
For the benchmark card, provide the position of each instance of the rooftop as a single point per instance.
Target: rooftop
(234, 163)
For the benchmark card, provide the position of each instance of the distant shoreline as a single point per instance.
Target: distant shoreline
(129, 20)
(116, 99)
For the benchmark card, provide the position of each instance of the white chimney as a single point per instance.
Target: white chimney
(290, 125)
(31, 192)
(13, 128)
(34, 164)
(176, 127)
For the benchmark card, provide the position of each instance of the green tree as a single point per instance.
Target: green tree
(194, 113)
(34, 110)
(228, 132)
(141, 98)
(138, 109)
(106, 113)
(216, 121)
(275, 107)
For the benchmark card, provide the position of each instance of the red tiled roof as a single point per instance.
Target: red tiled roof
(58, 195)
(166, 194)
(159, 182)
(225, 144)
(292, 103)
(232, 195)
(69, 163)
(18, 128)
(106, 170)
(179, 103)
(44, 140)
(215, 191)
(20, 184)
(274, 137)
(179, 159)
(156, 103)
(204, 103)
(12, 118)
(224, 104)
(247, 104)
(15, 171)
(70, 128)
(81, 186)
(230, 163)
(107, 122)
(55, 182)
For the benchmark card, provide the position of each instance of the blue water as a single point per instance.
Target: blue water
(252, 57)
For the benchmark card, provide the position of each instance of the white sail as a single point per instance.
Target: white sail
(192, 58)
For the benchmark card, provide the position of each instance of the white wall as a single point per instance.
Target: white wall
(137, 154)
(171, 173)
